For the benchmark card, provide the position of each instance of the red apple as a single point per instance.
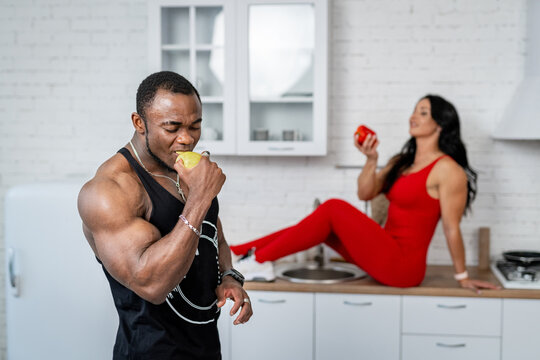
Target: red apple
(362, 132)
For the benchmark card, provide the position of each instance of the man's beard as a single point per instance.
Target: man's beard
(155, 157)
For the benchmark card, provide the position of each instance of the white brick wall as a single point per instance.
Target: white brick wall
(69, 71)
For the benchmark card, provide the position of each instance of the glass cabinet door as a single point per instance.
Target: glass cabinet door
(193, 42)
(260, 67)
(280, 97)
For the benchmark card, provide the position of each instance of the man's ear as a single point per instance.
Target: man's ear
(138, 123)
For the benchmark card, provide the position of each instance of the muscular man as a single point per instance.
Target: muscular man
(153, 225)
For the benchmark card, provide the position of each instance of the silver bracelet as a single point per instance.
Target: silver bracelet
(183, 218)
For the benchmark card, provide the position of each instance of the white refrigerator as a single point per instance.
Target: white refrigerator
(58, 301)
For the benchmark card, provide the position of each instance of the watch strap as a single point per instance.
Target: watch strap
(235, 274)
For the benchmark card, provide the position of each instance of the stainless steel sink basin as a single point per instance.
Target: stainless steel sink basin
(312, 273)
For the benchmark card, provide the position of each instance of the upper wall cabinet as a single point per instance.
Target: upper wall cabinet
(260, 67)
(197, 40)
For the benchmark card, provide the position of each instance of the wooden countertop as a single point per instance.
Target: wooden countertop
(439, 281)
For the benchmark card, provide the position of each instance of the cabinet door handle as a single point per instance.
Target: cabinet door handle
(451, 345)
(272, 301)
(367, 303)
(276, 148)
(451, 306)
(13, 278)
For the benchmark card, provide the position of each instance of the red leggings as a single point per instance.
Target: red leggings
(355, 236)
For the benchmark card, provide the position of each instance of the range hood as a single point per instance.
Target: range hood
(521, 119)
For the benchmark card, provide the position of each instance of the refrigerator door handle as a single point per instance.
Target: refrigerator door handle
(13, 279)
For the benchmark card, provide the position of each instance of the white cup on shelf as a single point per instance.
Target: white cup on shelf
(291, 135)
(260, 134)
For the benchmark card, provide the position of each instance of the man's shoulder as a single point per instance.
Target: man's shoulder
(115, 172)
(114, 184)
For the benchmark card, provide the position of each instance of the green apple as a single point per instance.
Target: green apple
(189, 158)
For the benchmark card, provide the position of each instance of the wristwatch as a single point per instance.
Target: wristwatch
(235, 274)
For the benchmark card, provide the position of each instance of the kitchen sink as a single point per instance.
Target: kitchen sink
(313, 273)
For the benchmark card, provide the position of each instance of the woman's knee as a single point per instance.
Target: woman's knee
(337, 206)
(335, 203)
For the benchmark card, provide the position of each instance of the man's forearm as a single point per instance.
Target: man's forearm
(225, 261)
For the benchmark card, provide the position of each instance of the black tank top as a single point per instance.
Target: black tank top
(184, 326)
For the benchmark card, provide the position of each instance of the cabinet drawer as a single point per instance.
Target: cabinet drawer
(281, 328)
(357, 326)
(420, 347)
(451, 316)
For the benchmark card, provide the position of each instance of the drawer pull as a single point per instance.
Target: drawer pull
(272, 301)
(451, 345)
(451, 306)
(276, 148)
(367, 303)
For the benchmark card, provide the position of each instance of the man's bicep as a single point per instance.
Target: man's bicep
(120, 236)
(120, 248)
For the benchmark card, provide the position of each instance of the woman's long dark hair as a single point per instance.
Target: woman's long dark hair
(446, 116)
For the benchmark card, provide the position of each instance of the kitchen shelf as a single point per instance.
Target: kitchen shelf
(175, 47)
(279, 100)
(212, 99)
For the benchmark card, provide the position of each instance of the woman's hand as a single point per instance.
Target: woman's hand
(477, 285)
(368, 147)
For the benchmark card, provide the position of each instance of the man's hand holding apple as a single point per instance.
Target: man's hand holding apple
(203, 177)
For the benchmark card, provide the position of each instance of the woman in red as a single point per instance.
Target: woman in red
(430, 179)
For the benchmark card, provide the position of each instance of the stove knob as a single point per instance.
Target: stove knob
(528, 275)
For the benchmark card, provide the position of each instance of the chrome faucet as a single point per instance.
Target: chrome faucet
(319, 258)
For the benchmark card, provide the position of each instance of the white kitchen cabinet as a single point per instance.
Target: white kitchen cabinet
(320, 326)
(260, 67)
(436, 327)
(282, 96)
(451, 315)
(197, 40)
(224, 327)
(357, 326)
(281, 328)
(425, 347)
(521, 319)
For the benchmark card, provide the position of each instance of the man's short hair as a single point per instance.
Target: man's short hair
(166, 80)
